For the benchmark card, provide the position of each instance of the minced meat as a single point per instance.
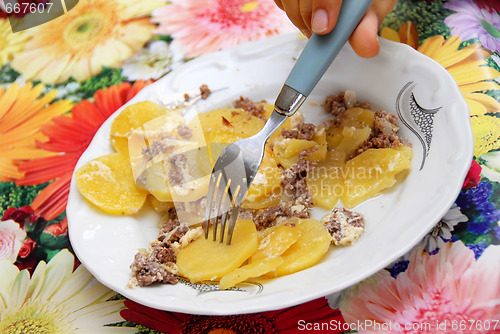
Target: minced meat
(157, 264)
(205, 92)
(336, 105)
(184, 131)
(250, 107)
(384, 133)
(305, 131)
(344, 225)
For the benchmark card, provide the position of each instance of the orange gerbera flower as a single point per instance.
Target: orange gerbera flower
(23, 111)
(69, 136)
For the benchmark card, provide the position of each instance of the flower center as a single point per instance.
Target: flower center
(249, 6)
(490, 28)
(85, 29)
(234, 13)
(248, 323)
(36, 317)
(40, 326)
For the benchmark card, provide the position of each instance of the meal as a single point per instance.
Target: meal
(165, 160)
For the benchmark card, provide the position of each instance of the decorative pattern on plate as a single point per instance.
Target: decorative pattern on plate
(423, 119)
(203, 288)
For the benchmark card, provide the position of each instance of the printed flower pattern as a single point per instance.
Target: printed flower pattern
(443, 229)
(282, 321)
(450, 286)
(51, 300)
(203, 26)
(69, 136)
(11, 240)
(471, 22)
(95, 33)
(23, 112)
(152, 62)
(10, 43)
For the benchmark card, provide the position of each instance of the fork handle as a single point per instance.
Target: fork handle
(318, 54)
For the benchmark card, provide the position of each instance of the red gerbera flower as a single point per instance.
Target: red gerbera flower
(70, 135)
(489, 5)
(316, 316)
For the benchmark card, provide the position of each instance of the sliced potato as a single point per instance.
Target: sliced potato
(253, 269)
(373, 171)
(307, 251)
(130, 118)
(108, 183)
(276, 242)
(205, 259)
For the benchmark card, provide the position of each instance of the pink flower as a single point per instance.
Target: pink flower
(11, 240)
(471, 22)
(203, 26)
(449, 292)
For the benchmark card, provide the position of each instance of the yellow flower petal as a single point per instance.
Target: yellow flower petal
(10, 43)
(7, 98)
(95, 33)
(486, 134)
(456, 57)
(475, 107)
(468, 74)
(479, 86)
(490, 104)
(56, 69)
(24, 111)
(431, 45)
(449, 46)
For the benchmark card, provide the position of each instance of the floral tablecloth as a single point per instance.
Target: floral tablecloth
(59, 82)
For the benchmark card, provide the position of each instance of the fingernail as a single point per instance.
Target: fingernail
(320, 21)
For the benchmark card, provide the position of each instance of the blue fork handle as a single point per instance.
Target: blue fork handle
(321, 50)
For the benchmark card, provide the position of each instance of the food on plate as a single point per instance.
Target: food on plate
(205, 260)
(108, 183)
(307, 251)
(130, 118)
(354, 155)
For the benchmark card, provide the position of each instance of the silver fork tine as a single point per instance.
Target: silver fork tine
(232, 221)
(212, 188)
(233, 199)
(238, 200)
(222, 194)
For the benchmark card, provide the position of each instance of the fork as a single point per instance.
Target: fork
(237, 165)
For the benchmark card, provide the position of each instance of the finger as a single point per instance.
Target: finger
(279, 4)
(364, 39)
(325, 15)
(292, 9)
(306, 13)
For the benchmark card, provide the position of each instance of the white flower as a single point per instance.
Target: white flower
(491, 167)
(56, 300)
(152, 62)
(443, 228)
(11, 240)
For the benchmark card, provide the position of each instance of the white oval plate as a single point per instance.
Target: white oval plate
(434, 118)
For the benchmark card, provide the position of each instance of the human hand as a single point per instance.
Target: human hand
(320, 17)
